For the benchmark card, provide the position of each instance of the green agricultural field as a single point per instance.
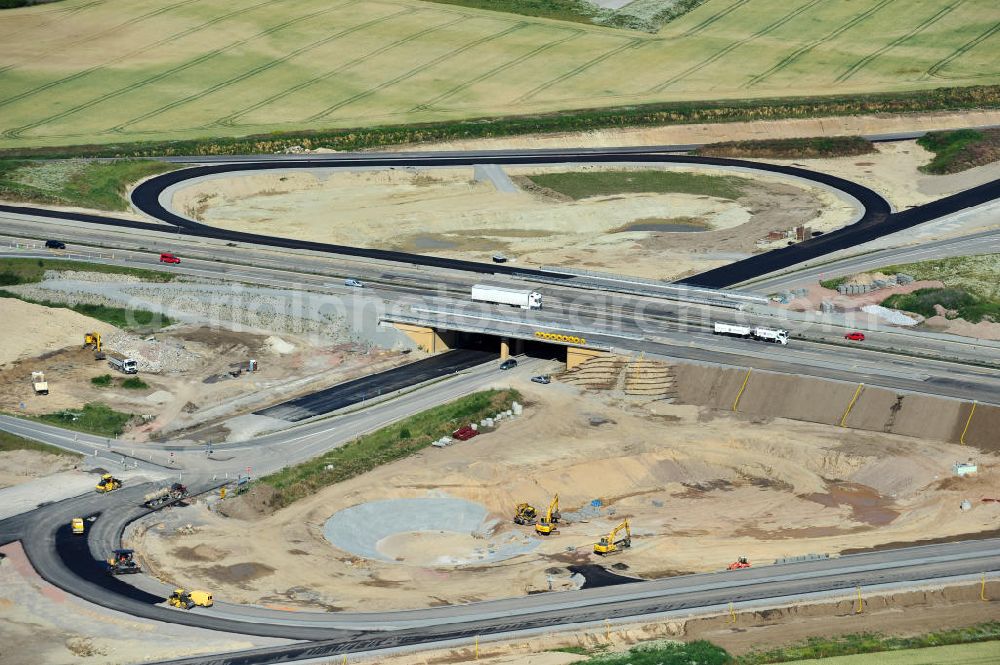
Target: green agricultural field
(83, 72)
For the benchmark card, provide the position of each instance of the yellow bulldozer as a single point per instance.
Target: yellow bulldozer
(611, 544)
(188, 599)
(547, 525)
(108, 484)
(525, 514)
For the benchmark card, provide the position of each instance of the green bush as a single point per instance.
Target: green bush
(100, 185)
(10, 442)
(699, 652)
(103, 381)
(960, 149)
(134, 383)
(120, 317)
(967, 306)
(798, 148)
(93, 418)
(27, 271)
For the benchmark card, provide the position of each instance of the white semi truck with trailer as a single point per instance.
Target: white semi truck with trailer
(774, 335)
(123, 364)
(501, 295)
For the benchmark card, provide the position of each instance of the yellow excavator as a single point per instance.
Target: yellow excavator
(93, 339)
(547, 525)
(611, 544)
(525, 513)
(108, 484)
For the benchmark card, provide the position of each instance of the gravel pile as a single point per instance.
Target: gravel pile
(153, 355)
(890, 315)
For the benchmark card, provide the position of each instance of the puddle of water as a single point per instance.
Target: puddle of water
(429, 241)
(867, 505)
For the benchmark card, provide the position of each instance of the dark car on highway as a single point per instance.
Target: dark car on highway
(55, 244)
(510, 363)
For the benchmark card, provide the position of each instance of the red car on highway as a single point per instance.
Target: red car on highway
(167, 257)
(855, 336)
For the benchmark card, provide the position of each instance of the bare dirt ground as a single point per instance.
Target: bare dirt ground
(21, 466)
(700, 488)
(186, 366)
(895, 613)
(446, 212)
(41, 624)
(730, 131)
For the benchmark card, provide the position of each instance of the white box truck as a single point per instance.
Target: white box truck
(774, 335)
(122, 364)
(501, 295)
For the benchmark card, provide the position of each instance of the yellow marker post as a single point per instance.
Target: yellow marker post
(477, 647)
(607, 630)
(222, 493)
(732, 614)
(857, 393)
(746, 378)
(861, 605)
(967, 422)
(982, 589)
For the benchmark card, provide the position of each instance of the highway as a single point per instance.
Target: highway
(612, 318)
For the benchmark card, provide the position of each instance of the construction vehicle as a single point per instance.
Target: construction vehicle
(122, 562)
(39, 383)
(108, 484)
(740, 562)
(526, 514)
(611, 544)
(93, 340)
(165, 496)
(188, 599)
(547, 525)
(122, 364)
(77, 525)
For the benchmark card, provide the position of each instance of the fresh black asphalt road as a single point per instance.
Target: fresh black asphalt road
(375, 385)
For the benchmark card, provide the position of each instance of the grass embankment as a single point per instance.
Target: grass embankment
(93, 418)
(961, 149)
(901, 650)
(868, 643)
(10, 442)
(87, 184)
(582, 184)
(801, 148)
(579, 120)
(29, 271)
(385, 445)
(972, 287)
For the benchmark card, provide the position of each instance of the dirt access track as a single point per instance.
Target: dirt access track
(700, 487)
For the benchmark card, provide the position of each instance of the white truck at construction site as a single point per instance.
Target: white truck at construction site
(501, 295)
(774, 335)
(123, 364)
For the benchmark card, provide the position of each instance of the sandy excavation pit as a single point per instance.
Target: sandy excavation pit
(423, 532)
(457, 212)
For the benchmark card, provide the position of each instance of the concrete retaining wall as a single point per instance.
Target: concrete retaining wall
(822, 401)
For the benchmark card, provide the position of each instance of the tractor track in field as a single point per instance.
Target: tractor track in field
(132, 54)
(496, 70)
(868, 59)
(17, 132)
(261, 68)
(135, 20)
(933, 70)
(660, 87)
(713, 18)
(809, 46)
(230, 120)
(417, 70)
(630, 44)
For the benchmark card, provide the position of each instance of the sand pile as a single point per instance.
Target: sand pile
(29, 330)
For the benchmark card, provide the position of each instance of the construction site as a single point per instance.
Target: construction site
(616, 464)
